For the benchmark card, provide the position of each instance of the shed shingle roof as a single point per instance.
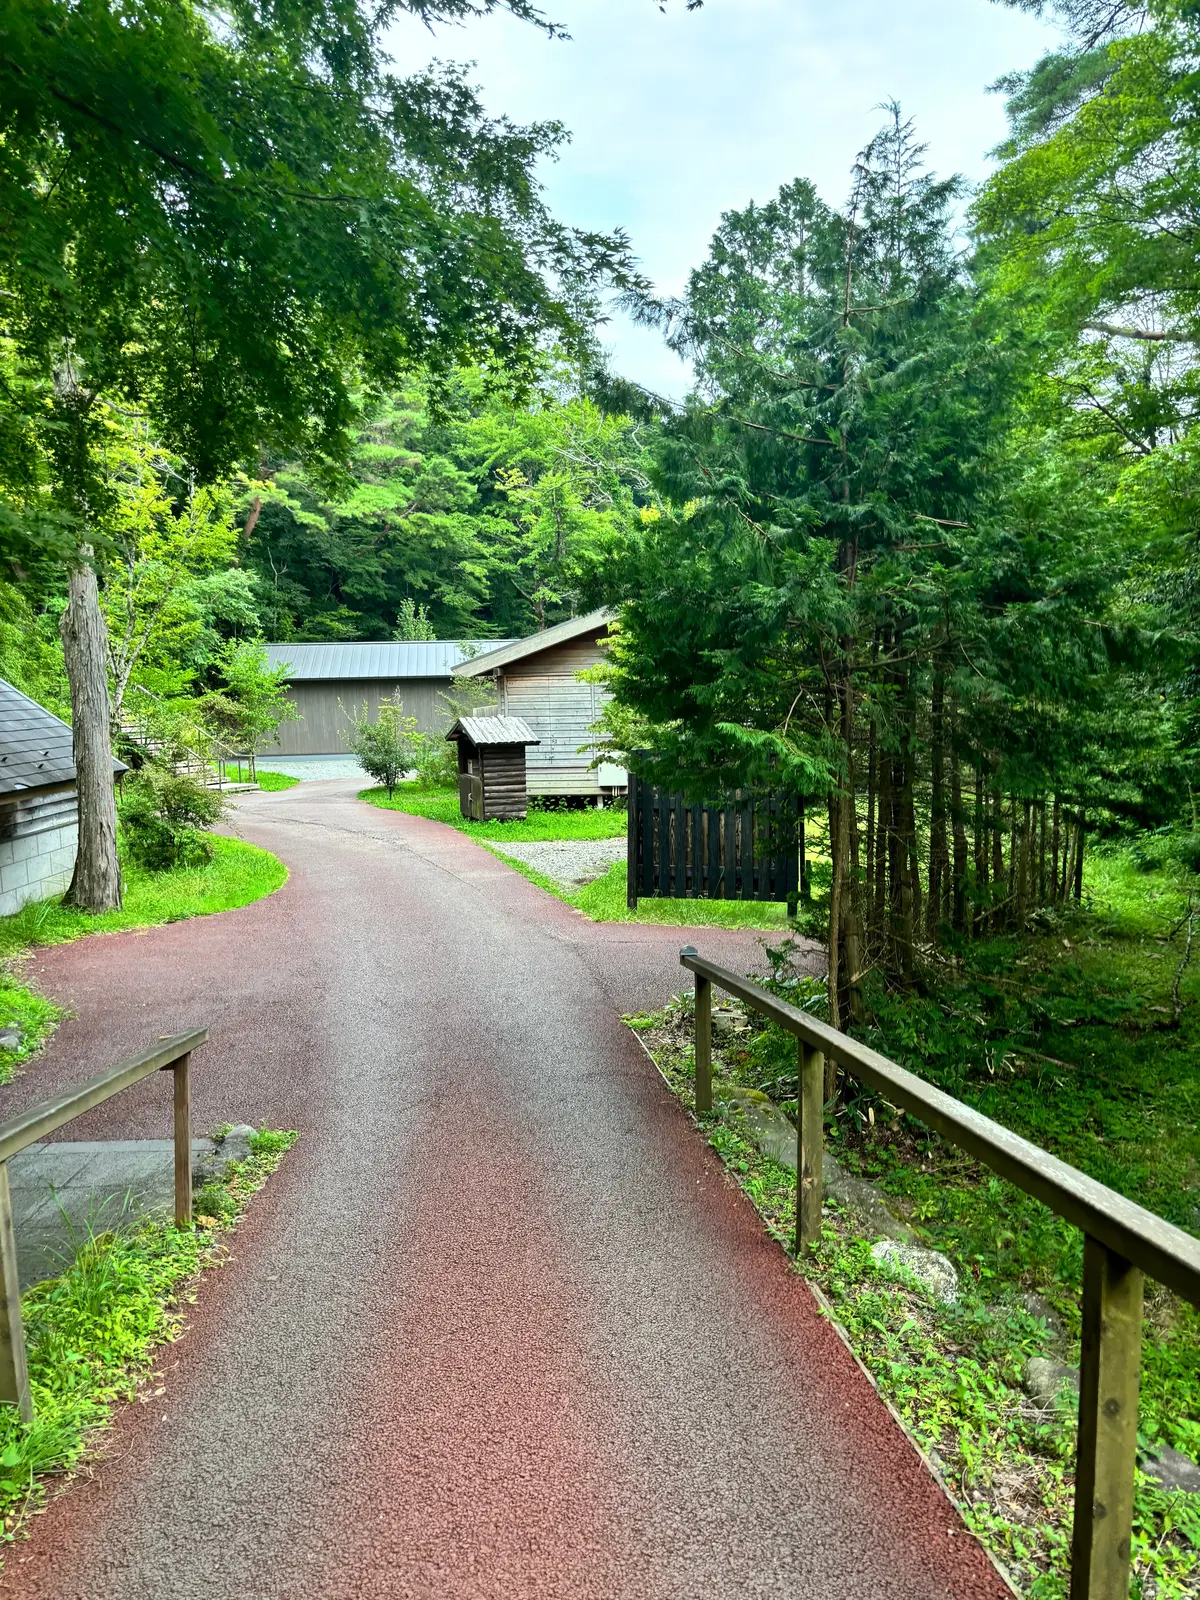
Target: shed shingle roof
(35, 745)
(494, 730)
(386, 658)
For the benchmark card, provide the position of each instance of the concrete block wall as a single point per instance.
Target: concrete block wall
(34, 866)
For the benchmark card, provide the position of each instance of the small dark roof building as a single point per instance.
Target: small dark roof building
(330, 680)
(537, 679)
(38, 813)
(491, 766)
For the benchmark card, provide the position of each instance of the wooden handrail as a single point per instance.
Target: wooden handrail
(1123, 1241)
(171, 1054)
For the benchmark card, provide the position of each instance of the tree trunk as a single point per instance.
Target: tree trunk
(959, 830)
(938, 848)
(96, 884)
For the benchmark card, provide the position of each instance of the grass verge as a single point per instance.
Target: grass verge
(273, 781)
(92, 1333)
(953, 1372)
(602, 900)
(237, 875)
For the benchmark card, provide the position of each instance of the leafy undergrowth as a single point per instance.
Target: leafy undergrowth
(92, 1334)
(237, 875)
(276, 780)
(31, 1015)
(954, 1372)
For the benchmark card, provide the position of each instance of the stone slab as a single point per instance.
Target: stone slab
(63, 1192)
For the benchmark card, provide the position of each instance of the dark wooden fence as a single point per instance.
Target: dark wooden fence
(745, 848)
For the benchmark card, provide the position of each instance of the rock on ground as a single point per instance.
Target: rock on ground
(929, 1267)
(1044, 1378)
(1172, 1470)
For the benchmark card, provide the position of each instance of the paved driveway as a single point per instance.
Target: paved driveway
(500, 1328)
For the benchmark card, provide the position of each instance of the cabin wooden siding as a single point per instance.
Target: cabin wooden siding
(323, 707)
(503, 771)
(543, 691)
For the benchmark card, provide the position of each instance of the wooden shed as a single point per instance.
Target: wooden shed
(537, 680)
(491, 766)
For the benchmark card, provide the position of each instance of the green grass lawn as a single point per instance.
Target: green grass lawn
(238, 874)
(276, 780)
(441, 805)
(601, 901)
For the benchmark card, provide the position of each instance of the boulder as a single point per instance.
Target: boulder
(1044, 1379)
(774, 1136)
(10, 1038)
(864, 1202)
(763, 1124)
(1038, 1306)
(1171, 1470)
(930, 1268)
(235, 1146)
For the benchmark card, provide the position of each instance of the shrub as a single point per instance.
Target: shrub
(437, 761)
(164, 818)
(389, 746)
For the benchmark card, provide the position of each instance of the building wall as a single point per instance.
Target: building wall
(38, 838)
(323, 705)
(542, 689)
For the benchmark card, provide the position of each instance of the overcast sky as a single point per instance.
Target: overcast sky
(676, 118)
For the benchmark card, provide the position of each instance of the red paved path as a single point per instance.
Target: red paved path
(500, 1329)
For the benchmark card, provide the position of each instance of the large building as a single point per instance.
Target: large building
(329, 681)
(537, 680)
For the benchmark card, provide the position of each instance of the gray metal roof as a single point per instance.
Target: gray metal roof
(494, 730)
(502, 653)
(387, 658)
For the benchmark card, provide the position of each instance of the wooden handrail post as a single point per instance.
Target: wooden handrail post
(1110, 1368)
(703, 1044)
(810, 1144)
(14, 1372)
(183, 1142)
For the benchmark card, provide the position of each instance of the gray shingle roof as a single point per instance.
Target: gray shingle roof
(35, 745)
(494, 730)
(504, 651)
(387, 658)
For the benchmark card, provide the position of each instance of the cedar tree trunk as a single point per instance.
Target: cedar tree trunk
(96, 884)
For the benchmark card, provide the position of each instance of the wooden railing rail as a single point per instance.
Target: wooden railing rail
(168, 1055)
(1122, 1243)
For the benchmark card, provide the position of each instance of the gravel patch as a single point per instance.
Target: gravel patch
(313, 768)
(570, 862)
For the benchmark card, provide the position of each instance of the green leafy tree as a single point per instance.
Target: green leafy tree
(867, 583)
(387, 745)
(236, 223)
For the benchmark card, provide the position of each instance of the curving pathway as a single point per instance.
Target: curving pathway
(500, 1329)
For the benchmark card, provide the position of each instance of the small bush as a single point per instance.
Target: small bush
(437, 762)
(164, 816)
(387, 747)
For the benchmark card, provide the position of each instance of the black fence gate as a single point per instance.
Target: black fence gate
(745, 848)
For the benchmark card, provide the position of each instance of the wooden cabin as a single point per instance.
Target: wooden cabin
(38, 809)
(536, 679)
(491, 766)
